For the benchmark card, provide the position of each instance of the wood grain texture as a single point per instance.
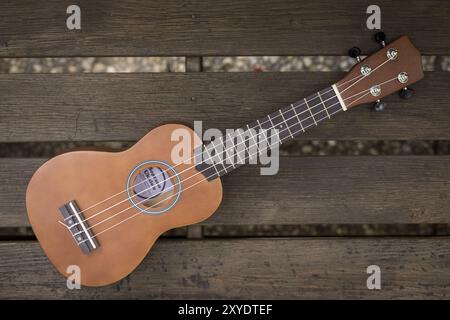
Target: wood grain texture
(332, 268)
(90, 177)
(382, 189)
(199, 27)
(96, 107)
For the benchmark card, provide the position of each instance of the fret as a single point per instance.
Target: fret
(288, 122)
(219, 161)
(287, 126)
(296, 115)
(321, 101)
(259, 125)
(216, 153)
(212, 160)
(237, 150)
(279, 125)
(220, 157)
(252, 136)
(304, 114)
(254, 131)
(309, 109)
(248, 143)
(292, 121)
(270, 120)
(269, 132)
(226, 151)
(261, 130)
(330, 100)
(252, 146)
(318, 109)
(266, 125)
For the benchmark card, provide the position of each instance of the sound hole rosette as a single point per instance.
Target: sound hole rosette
(135, 199)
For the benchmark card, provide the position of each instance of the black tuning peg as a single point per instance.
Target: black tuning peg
(355, 52)
(380, 37)
(406, 93)
(379, 105)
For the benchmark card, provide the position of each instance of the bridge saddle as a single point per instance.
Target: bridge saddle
(78, 227)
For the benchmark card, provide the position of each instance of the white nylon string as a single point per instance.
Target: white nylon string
(225, 169)
(233, 147)
(364, 76)
(189, 168)
(360, 77)
(185, 189)
(368, 90)
(162, 173)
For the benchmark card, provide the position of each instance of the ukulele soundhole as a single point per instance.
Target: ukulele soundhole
(153, 187)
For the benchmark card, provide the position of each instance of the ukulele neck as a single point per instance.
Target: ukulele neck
(231, 151)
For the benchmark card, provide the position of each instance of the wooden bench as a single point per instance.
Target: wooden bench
(345, 190)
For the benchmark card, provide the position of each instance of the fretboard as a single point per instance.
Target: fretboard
(231, 151)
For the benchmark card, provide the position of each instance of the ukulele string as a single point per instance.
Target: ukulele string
(302, 103)
(210, 158)
(350, 80)
(364, 76)
(123, 191)
(185, 189)
(288, 128)
(358, 78)
(380, 84)
(225, 169)
(244, 141)
(226, 151)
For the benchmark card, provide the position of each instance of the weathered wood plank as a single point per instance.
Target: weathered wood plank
(199, 27)
(18, 173)
(95, 107)
(383, 189)
(330, 268)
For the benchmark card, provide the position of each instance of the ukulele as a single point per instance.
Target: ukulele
(103, 211)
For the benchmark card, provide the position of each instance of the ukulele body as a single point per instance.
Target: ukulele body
(88, 177)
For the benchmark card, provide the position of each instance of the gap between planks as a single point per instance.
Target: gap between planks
(194, 64)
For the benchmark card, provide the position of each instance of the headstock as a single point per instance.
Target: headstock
(391, 69)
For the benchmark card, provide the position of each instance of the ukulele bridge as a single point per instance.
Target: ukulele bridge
(78, 227)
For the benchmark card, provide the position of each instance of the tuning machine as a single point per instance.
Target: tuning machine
(355, 53)
(379, 105)
(380, 37)
(406, 93)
